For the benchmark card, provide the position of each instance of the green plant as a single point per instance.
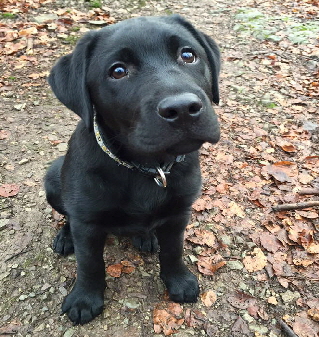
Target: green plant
(8, 15)
(95, 4)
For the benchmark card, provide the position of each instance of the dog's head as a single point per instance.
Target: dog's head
(151, 81)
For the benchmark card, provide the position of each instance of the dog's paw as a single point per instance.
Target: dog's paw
(182, 287)
(82, 306)
(63, 243)
(148, 244)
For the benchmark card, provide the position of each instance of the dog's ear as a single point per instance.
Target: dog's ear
(211, 50)
(68, 79)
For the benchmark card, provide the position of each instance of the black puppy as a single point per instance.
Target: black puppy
(143, 88)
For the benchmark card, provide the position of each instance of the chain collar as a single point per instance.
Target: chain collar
(158, 173)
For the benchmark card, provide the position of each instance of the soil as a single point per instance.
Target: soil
(34, 280)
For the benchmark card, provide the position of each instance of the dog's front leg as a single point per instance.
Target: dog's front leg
(86, 298)
(181, 284)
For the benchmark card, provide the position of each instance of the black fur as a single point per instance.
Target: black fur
(160, 110)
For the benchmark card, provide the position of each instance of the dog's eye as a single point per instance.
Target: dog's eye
(187, 55)
(118, 71)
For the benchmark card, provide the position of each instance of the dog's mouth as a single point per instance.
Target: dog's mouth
(184, 147)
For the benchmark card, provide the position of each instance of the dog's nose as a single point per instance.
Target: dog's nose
(186, 106)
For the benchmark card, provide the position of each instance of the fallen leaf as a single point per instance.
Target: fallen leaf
(128, 267)
(313, 313)
(255, 261)
(115, 270)
(234, 209)
(209, 298)
(305, 327)
(203, 237)
(270, 242)
(9, 190)
(288, 147)
(209, 265)
(165, 322)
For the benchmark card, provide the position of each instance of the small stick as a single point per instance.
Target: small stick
(300, 205)
(308, 191)
(286, 329)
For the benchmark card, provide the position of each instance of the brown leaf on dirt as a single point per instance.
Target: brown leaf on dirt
(164, 321)
(203, 203)
(10, 329)
(313, 248)
(301, 258)
(278, 172)
(305, 178)
(241, 326)
(255, 261)
(308, 214)
(9, 190)
(270, 242)
(313, 313)
(194, 319)
(203, 237)
(209, 265)
(4, 134)
(115, 270)
(128, 267)
(241, 300)
(209, 298)
(288, 147)
(305, 327)
(234, 209)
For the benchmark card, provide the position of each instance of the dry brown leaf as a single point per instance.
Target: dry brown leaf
(234, 209)
(313, 248)
(209, 298)
(313, 313)
(288, 147)
(165, 321)
(203, 237)
(305, 178)
(115, 270)
(305, 327)
(209, 265)
(128, 267)
(9, 190)
(270, 242)
(256, 261)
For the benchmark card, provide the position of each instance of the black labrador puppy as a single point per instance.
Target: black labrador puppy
(144, 89)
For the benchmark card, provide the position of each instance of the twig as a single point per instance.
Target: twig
(300, 205)
(286, 329)
(308, 191)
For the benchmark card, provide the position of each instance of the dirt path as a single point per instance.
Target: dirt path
(256, 267)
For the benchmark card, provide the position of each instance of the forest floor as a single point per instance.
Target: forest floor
(258, 267)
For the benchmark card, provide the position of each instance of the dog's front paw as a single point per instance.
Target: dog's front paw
(82, 305)
(147, 244)
(63, 243)
(182, 287)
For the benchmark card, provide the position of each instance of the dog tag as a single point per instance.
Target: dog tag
(161, 178)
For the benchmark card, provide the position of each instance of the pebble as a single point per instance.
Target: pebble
(69, 332)
(62, 147)
(23, 161)
(132, 303)
(290, 296)
(235, 265)
(23, 297)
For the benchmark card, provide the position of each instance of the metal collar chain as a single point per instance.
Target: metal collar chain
(158, 173)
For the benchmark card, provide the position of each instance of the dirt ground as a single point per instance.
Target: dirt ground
(269, 102)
